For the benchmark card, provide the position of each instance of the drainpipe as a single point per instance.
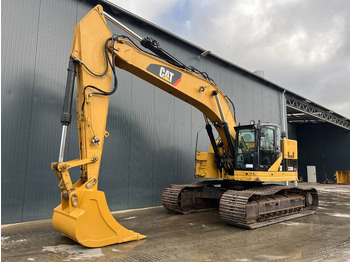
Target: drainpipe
(284, 114)
(285, 127)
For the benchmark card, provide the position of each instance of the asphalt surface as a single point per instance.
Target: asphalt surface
(324, 236)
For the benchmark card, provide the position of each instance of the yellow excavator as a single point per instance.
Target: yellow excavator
(232, 173)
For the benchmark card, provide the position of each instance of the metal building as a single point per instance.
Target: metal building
(153, 135)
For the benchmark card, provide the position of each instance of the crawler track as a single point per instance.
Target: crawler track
(191, 198)
(262, 206)
(170, 197)
(249, 208)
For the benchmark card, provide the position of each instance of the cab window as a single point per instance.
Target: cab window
(267, 147)
(245, 149)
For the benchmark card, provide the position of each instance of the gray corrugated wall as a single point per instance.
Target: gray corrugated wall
(153, 135)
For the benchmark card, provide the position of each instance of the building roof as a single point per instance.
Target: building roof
(299, 109)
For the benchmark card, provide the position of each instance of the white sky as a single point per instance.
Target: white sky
(302, 45)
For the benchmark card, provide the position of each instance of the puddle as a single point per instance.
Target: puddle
(335, 190)
(327, 202)
(75, 252)
(293, 223)
(3, 239)
(271, 257)
(6, 241)
(128, 218)
(338, 215)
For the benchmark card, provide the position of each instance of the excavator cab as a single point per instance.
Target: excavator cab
(258, 146)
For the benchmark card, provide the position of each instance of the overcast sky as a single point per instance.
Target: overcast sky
(302, 45)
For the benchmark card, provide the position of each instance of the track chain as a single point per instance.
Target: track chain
(233, 206)
(171, 197)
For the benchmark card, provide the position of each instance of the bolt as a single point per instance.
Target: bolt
(95, 140)
(65, 195)
(64, 167)
(88, 185)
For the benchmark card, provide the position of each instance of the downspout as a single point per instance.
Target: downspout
(284, 114)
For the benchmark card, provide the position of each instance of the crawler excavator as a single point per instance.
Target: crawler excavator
(232, 173)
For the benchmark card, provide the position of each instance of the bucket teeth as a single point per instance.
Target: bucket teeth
(91, 222)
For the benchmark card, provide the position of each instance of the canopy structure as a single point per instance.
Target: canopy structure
(301, 110)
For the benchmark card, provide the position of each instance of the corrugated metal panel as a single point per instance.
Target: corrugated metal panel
(258, 102)
(152, 134)
(115, 168)
(53, 47)
(271, 106)
(237, 96)
(248, 104)
(19, 20)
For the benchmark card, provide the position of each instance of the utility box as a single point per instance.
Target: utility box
(342, 177)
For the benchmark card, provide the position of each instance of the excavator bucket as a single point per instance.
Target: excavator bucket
(91, 223)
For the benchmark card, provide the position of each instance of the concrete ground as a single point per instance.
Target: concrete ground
(198, 237)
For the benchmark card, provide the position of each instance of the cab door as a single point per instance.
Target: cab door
(269, 147)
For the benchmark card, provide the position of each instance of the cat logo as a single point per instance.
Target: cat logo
(168, 74)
